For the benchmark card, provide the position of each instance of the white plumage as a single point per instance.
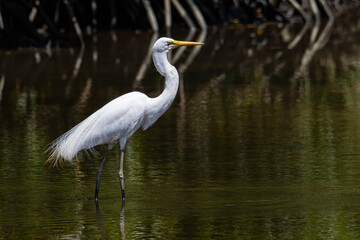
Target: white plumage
(119, 119)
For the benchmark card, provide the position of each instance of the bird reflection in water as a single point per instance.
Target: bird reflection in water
(100, 221)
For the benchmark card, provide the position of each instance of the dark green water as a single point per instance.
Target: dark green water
(262, 141)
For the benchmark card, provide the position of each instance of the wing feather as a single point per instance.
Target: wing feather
(118, 119)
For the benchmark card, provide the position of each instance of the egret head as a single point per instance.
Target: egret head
(165, 44)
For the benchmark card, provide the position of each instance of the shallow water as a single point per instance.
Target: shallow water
(262, 141)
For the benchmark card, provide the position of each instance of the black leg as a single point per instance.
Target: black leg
(98, 174)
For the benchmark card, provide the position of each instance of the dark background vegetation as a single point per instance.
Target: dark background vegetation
(41, 23)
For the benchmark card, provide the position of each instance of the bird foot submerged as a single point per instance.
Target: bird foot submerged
(122, 186)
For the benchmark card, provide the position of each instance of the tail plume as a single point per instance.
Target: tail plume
(80, 139)
(69, 146)
(61, 150)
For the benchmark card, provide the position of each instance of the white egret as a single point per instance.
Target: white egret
(119, 119)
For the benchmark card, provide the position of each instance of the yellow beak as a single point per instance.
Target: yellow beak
(184, 43)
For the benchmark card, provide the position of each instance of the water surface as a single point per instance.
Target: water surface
(262, 141)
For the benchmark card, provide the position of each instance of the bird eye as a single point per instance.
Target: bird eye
(169, 43)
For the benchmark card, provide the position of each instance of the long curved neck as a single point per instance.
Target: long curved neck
(171, 75)
(161, 62)
(158, 105)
